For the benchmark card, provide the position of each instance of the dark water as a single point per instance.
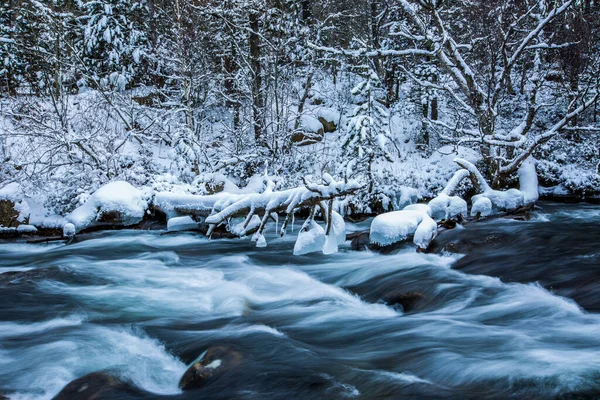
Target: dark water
(517, 317)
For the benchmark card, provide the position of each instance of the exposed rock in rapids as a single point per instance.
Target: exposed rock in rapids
(216, 362)
(96, 386)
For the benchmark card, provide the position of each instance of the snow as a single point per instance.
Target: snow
(528, 181)
(178, 224)
(69, 230)
(337, 235)
(508, 200)
(261, 242)
(447, 207)
(481, 205)
(11, 192)
(310, 124)
(395, 226)
(419, 207)
(425, 233)
(310, 240)
(328, 114)
(26, 229)
(253, 224)
(118, 196)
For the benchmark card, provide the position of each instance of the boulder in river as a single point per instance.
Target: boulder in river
(95, 386)
(217, 361)
(359, 240)
(408, 301)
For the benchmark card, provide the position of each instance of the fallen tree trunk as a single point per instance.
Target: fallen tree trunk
(221, 207)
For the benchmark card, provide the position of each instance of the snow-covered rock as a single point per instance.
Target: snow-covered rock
(118, 197)
(396, 226)
(310, 240)
(178, 224)
(69, 230)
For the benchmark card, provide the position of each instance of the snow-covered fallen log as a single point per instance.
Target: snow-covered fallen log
(489, 201)
(257, 209)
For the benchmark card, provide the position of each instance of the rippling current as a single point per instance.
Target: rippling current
(517, 316)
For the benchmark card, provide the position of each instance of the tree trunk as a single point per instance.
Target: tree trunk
(257, 100)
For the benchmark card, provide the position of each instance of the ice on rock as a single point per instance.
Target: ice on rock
(185, 223)
(395, 226)
(119, 197)
(311, 240)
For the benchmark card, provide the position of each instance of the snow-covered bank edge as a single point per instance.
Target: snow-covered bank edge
(235, 212)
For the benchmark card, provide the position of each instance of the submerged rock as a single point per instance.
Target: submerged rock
(95, 386)
(36, 274)
(217, 361)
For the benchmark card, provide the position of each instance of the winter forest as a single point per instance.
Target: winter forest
(415, 131)
(185, 94)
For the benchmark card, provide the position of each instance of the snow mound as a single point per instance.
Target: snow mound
(481, 205)
(69, 230)
(528, 181)
(178, 224)
(116, 197)
(311, 240)
(396, 226)
(447, 207)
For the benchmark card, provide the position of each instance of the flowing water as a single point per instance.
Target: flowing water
(517, 316)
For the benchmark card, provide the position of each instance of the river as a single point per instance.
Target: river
(516, 316)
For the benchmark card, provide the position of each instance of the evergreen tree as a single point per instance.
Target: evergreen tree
(114, 40)
(10, 63)
(368, 135)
